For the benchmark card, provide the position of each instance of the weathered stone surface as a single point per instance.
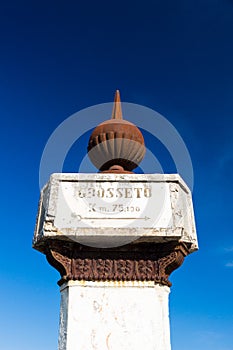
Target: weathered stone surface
(115, 239)
(107, 210)
(114, 316)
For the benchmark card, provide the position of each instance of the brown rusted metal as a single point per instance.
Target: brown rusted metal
(116, 142)
(117, 111)
(136, 262)
(117, 169)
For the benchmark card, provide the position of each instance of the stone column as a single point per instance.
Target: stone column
(110, 315)
(115, 265)
(115, 298)
(115, 237)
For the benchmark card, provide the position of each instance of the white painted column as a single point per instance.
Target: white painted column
(114, 316)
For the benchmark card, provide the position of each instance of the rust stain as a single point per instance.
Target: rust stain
(107, 341)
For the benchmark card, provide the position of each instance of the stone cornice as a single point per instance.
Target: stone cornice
(138, 262)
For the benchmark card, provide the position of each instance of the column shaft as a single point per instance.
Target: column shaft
(114, 316)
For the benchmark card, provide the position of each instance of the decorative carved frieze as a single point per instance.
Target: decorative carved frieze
(139, 262)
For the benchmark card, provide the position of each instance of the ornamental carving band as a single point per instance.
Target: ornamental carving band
(76, 262)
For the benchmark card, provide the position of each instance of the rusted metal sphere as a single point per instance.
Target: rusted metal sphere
(116, 142)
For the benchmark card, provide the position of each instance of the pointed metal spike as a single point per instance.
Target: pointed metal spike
(116, 111)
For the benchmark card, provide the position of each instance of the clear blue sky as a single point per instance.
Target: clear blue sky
(59, 57)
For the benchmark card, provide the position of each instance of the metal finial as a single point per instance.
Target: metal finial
(116, 145)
